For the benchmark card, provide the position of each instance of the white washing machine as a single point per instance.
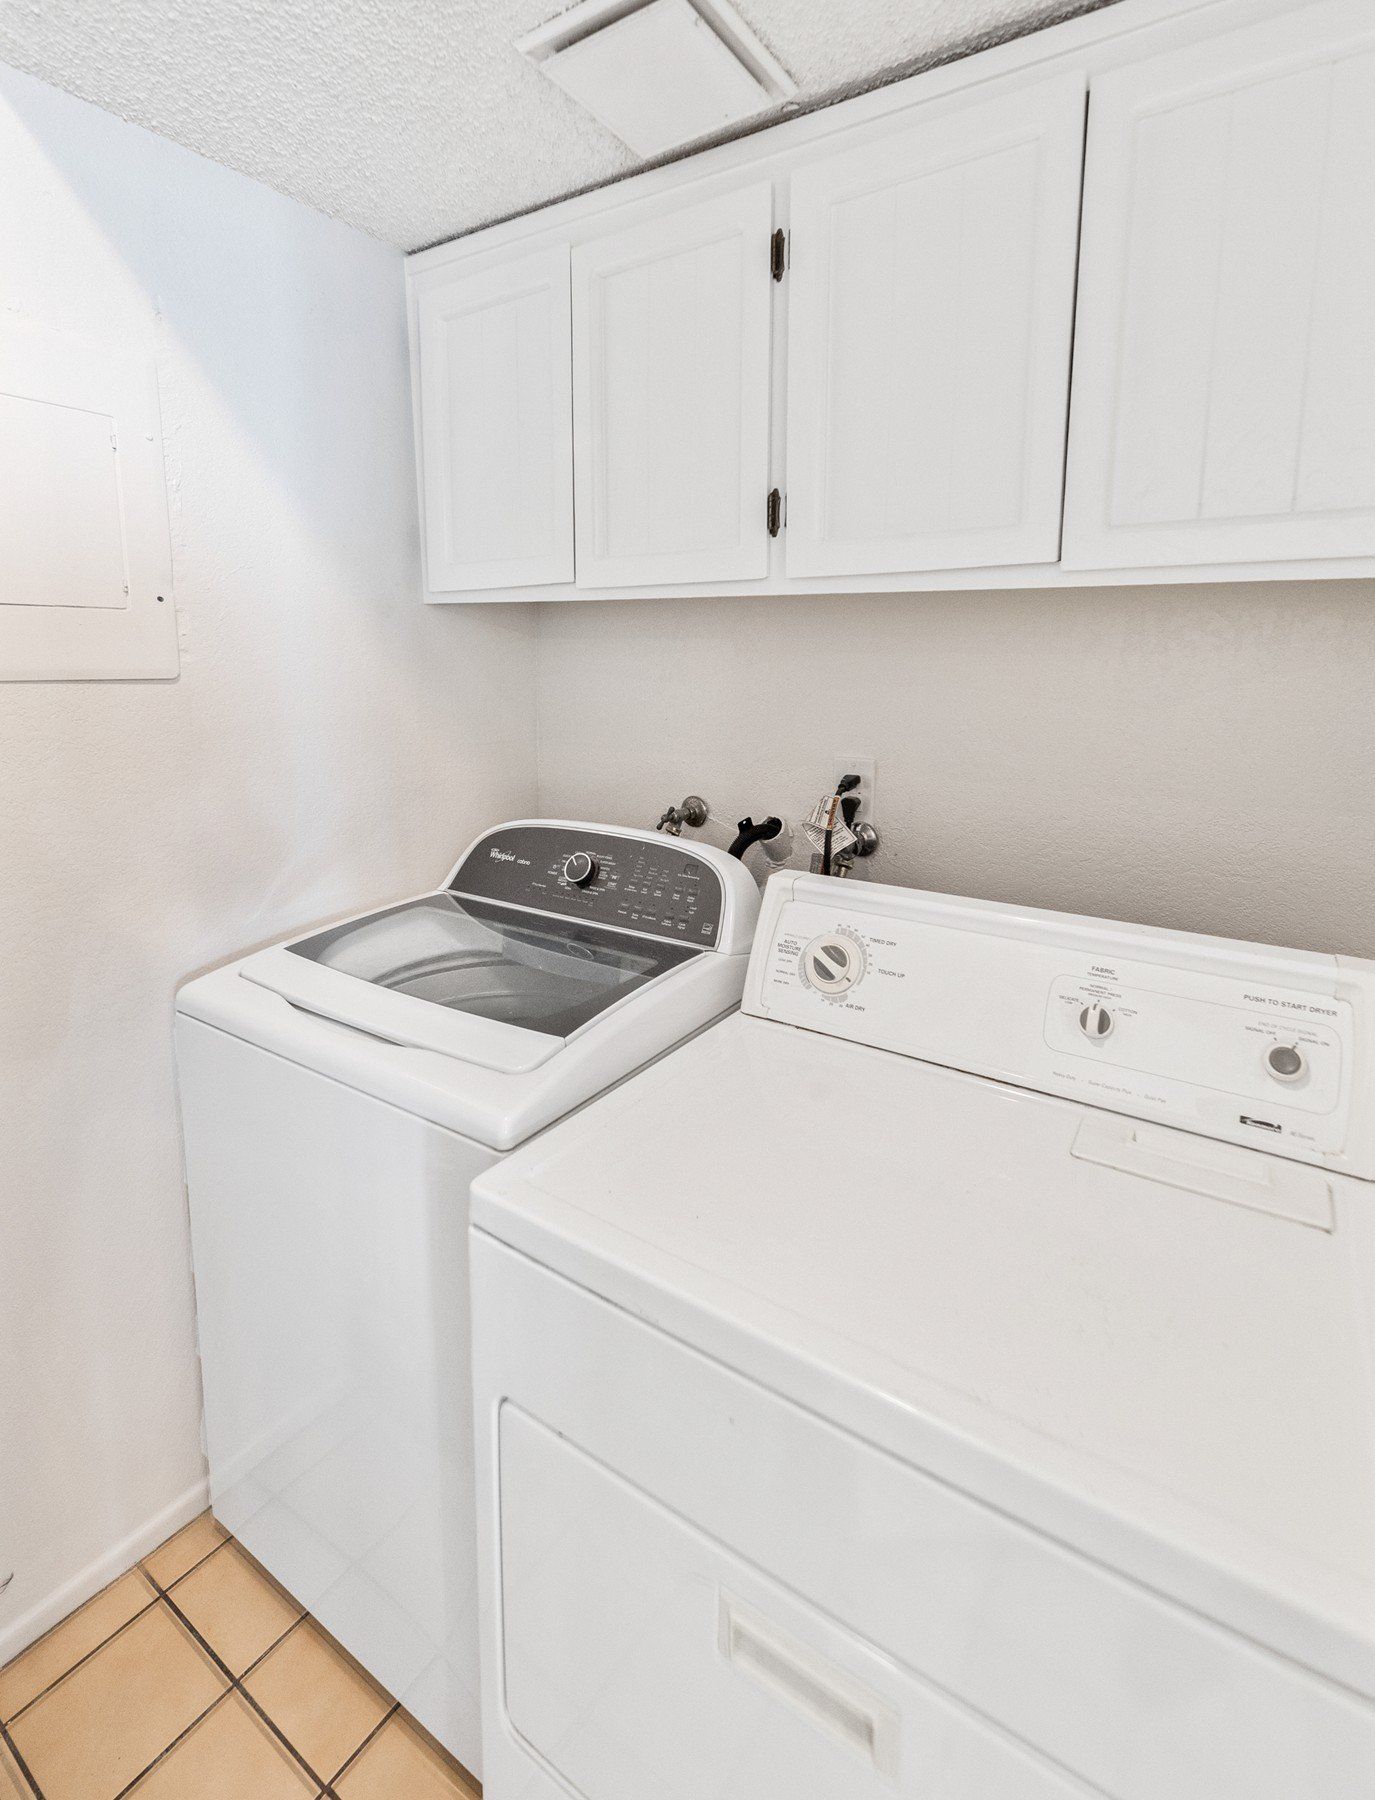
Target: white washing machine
(950, 1377)
(339, 1093)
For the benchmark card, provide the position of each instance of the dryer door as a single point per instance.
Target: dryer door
(642, 1656)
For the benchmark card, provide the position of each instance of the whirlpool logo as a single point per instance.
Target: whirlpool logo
(502, 855)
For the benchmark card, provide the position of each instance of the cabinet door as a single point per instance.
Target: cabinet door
(1224, 376)
(496, 425)
(929, 340)
(671, 395)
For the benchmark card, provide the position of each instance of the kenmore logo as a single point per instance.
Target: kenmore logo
(502, 855)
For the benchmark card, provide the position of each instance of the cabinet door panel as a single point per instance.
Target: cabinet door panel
(671, 395)
(496, 400)
(929, 340)
(1224, 380)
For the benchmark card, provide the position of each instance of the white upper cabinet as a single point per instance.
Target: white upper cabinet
(1010, 353)
(671, 378)
(496, 425)
(929, 332)
(1224, 386)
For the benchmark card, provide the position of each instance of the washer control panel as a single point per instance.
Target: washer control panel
(660, 888)
(1258, 1046)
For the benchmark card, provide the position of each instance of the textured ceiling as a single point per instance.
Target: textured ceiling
(415, 119)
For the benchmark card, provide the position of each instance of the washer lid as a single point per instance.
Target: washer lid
(493, 985)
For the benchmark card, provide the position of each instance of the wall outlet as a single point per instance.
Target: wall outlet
(866, 768)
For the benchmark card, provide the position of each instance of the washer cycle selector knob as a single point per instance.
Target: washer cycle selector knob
(1095, 1021)
(832, 965)
(580, 870)
(1286, 1062)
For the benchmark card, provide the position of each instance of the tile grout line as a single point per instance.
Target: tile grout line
(353, 1756)
(199, 1563)
(237, 1686)
(276, 1644)
(184, 1733)
(81, 1661)
(219, 1699)
(110, 1637)
(19, 1762)
(158, 1593)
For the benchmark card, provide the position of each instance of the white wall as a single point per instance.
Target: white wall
(330, 742)
(1195, 757)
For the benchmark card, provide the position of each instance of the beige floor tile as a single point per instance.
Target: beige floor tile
(170, 1561)
(235, 1607)
(59, 1649)
(230, 1755)
(325, 1705)
(12, 1784)
(102, 1725)
(399, 1762)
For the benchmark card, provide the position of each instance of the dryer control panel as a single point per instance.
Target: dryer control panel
(640, 882)
(1262, 1047)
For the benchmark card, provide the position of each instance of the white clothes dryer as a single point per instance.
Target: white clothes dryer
(339, 1093)
(950, 1377)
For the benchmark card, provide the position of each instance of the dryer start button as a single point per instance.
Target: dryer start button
(1286, 1062)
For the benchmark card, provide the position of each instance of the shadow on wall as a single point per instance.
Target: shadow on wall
(329, 743)
(280, 340)
(1195, 757)
(212, 289)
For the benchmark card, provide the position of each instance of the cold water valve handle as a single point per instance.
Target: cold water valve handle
(693, 811)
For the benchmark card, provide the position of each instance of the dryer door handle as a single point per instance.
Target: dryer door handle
(809, 1683)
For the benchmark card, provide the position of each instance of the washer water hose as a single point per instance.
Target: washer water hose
(748, 833)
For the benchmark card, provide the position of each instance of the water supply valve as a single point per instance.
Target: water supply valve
(693, 811)
(837, 834)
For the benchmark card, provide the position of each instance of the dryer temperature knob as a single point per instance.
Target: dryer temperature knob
(1095, 1021)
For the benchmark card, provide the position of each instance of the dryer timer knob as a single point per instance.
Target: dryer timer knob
(832, 964)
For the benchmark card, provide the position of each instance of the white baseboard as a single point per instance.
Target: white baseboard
(50, 1611)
